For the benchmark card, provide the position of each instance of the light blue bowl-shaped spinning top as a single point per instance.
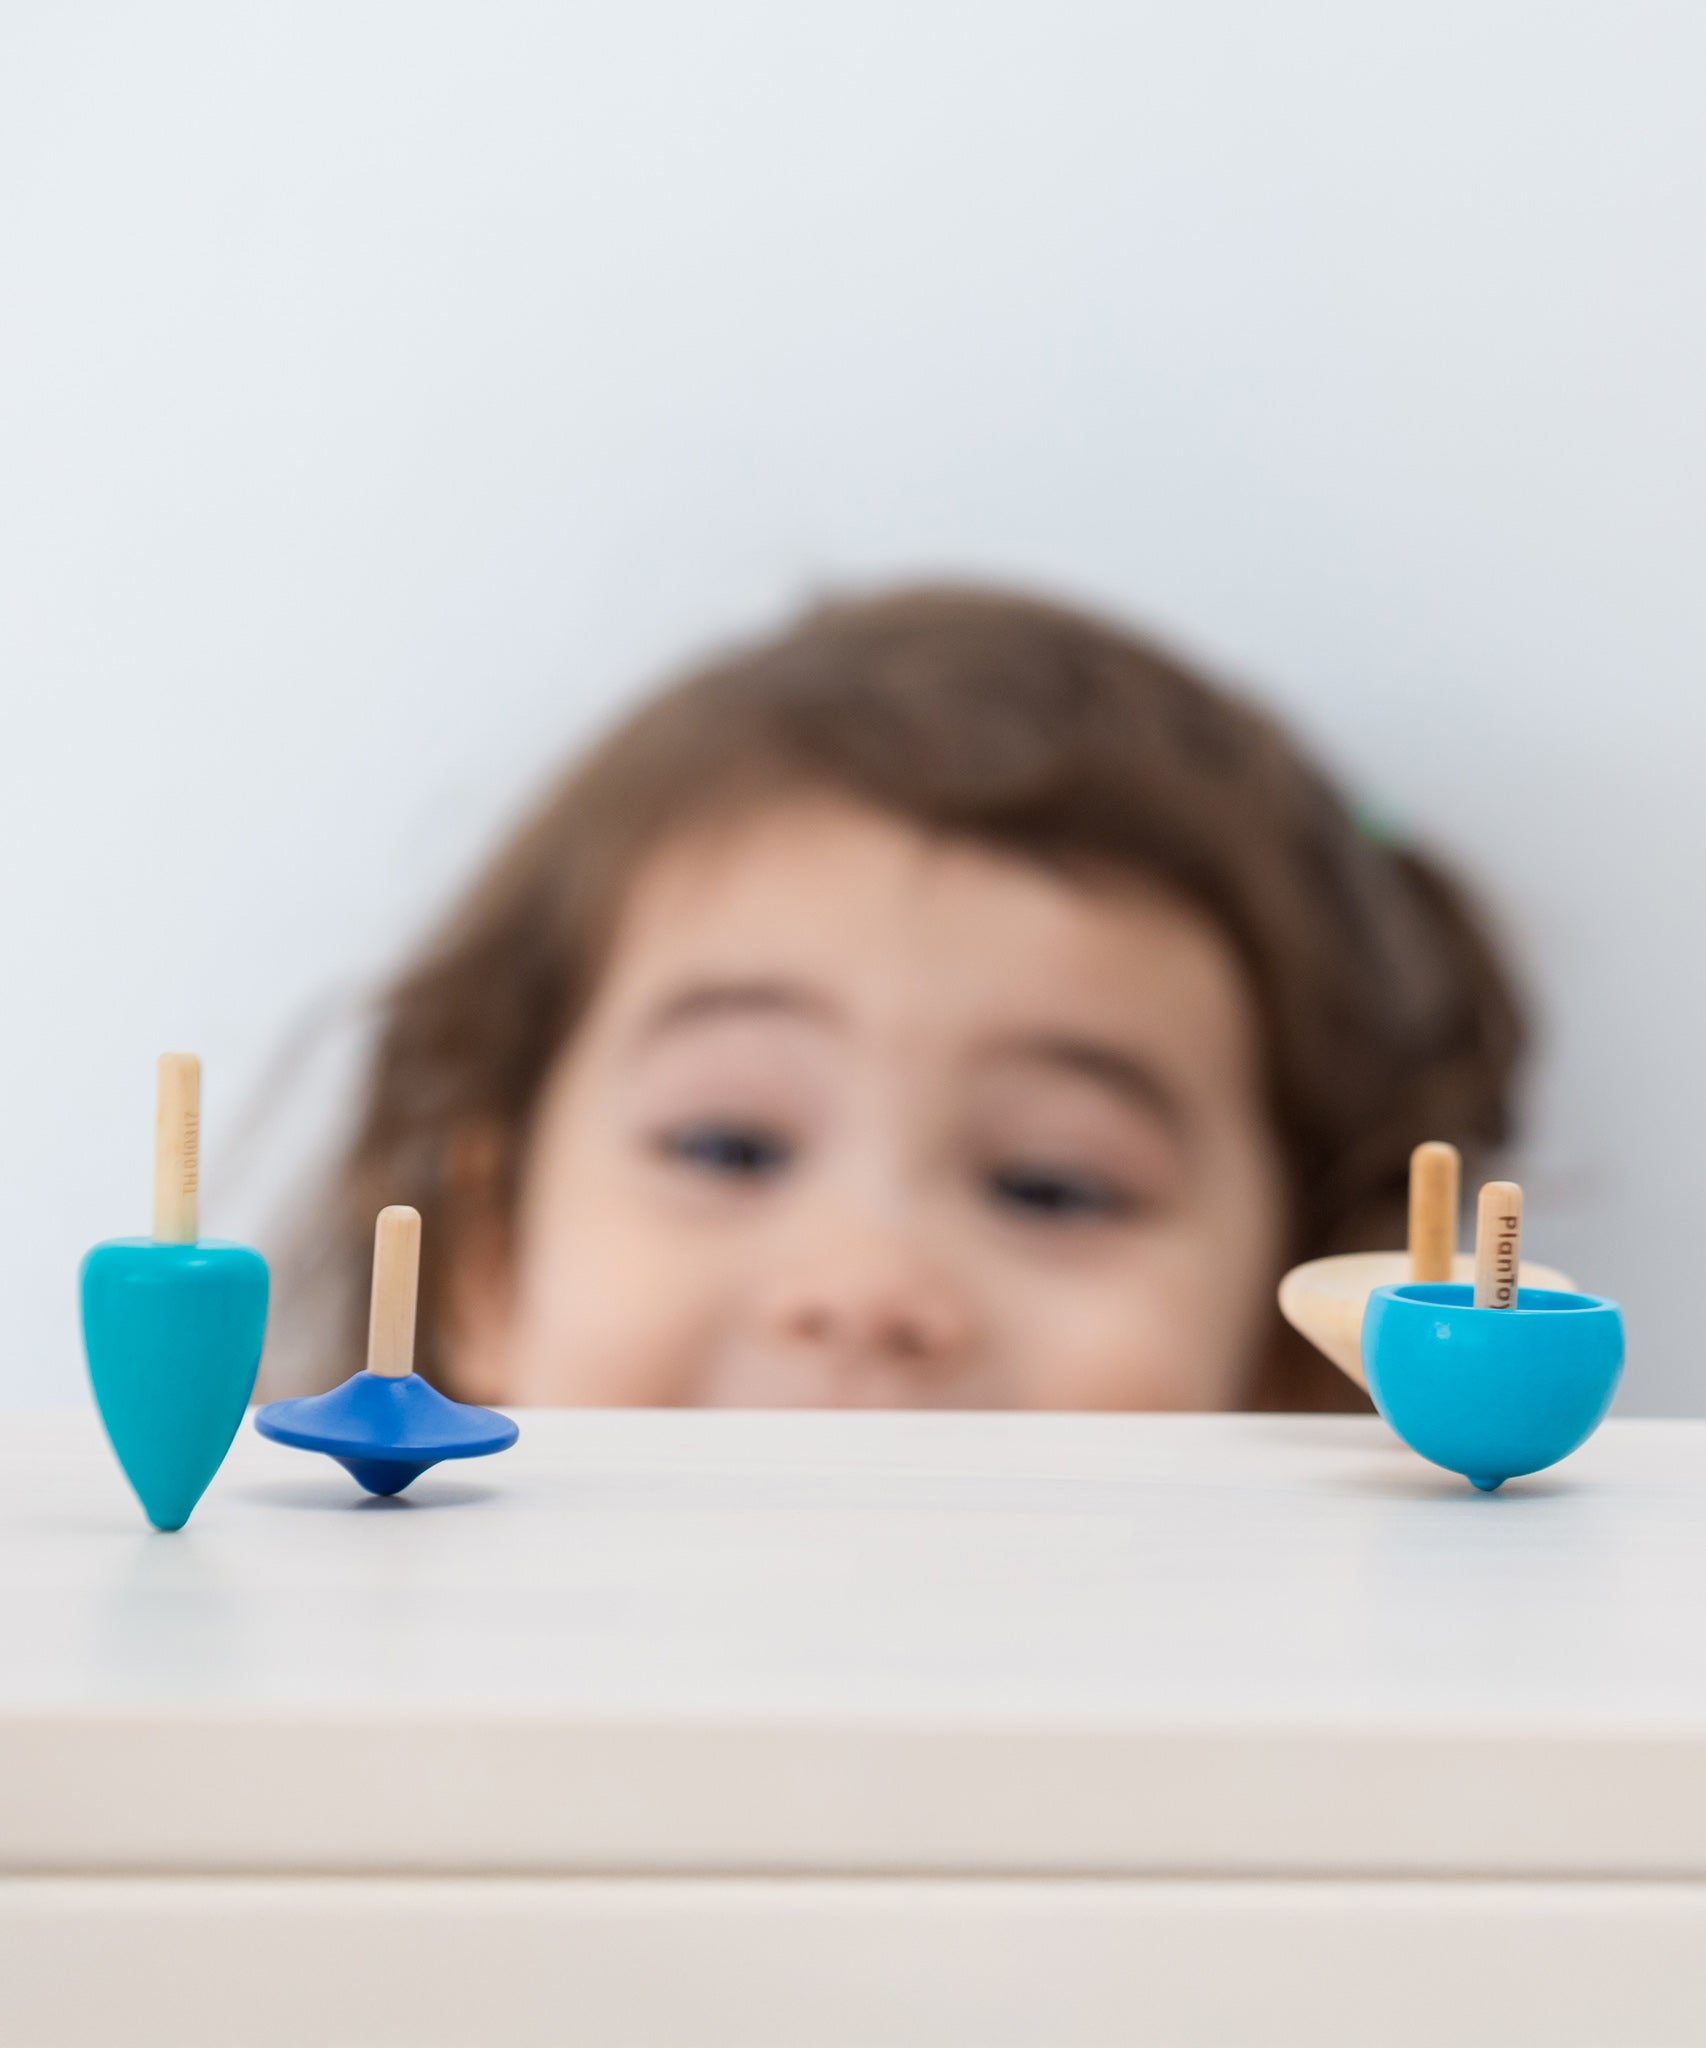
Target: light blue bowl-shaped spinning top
(386, 1425)
(173, 1324)
(1492, 1391)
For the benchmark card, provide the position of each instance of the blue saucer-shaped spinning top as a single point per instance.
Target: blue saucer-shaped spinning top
(385, 1432)
(386, 1425)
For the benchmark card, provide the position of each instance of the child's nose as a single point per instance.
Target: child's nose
(868, 1304)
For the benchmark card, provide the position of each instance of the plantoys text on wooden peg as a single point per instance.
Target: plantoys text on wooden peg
(1499, 1378)
(387, 1425)
(1326, 1299)
(173, 1324)
(1498, 1244)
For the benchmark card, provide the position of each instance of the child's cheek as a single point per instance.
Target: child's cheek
(624, 1312)
(1145, 1332)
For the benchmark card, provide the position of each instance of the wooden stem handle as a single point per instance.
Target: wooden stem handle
(1435, 1177)
(396, 1281)
(177, 1147)
(1498, 1244)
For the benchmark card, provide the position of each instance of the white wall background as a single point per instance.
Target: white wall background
(387, 389)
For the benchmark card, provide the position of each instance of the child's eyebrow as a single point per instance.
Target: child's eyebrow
(705, 999)
(1127, 1074)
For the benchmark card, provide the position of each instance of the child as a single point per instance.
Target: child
(951, 1002)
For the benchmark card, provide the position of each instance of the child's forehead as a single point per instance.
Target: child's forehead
(864, 907)
(832, 866)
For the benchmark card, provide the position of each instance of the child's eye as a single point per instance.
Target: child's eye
(1057, 1195)
(730, 1150)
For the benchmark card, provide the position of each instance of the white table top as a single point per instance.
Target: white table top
(682, 1641)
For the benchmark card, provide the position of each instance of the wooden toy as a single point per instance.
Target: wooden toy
(1496, 1379)
(1436, 1175)
(1498, 1244)
(386, 1425)
(1326, 1298)
(173, 1324)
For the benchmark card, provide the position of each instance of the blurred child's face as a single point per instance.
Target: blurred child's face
(861, 1117)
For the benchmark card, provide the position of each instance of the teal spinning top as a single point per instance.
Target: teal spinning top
(173, 1324)
(1492, 1393)
(1496, 1380)
(386, 1425)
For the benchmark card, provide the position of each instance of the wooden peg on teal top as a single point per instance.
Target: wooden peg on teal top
(173, 1324)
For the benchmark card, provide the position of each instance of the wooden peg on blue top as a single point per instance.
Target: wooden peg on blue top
(386, 1425)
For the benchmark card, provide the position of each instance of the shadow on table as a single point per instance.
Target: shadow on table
(329, 1496)
(1424, 1482)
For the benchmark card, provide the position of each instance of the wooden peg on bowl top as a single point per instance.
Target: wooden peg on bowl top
(1498, 1244)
